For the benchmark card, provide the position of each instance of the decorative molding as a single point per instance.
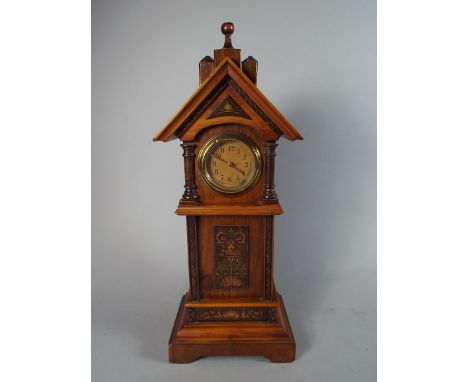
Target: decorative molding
(253, 105)
(231, 256)
(201, 107)
(193, 256)
(228, 107)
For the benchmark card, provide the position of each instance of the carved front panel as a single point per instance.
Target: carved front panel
(232, 256)
(231, 266)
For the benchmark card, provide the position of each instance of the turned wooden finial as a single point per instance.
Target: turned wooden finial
(227, 29)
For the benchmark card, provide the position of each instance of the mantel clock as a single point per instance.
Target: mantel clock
(229, 132)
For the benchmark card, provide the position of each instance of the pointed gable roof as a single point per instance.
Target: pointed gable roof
(192, 117)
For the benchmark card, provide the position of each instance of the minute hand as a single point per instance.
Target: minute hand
(230, 164)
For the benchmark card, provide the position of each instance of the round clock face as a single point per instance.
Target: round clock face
(230, 162)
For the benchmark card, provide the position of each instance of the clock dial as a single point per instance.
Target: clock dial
(230, 162)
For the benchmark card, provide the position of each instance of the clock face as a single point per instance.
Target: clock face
(230, 162)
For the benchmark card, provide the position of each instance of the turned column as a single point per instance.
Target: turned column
(269, 193)
(190, 195)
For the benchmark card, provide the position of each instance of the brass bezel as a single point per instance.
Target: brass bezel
(214, 141)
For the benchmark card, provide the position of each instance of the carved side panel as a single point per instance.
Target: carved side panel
(193, 256)
(268, 257)
(232, 256)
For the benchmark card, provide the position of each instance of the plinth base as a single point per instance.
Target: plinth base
(190, 341)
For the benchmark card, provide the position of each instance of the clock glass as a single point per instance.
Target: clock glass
(230, 162)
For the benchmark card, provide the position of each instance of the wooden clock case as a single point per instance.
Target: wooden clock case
(241, 314)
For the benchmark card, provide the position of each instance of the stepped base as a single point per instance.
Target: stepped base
(272, 338)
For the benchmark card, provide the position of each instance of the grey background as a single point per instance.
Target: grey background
(317, 64)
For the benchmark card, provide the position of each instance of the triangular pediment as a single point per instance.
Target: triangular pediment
(228, 108)
(227, 96)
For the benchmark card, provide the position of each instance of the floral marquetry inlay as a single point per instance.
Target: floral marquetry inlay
(231, 314)
(231, 256)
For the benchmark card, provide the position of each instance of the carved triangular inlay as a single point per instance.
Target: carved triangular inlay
(228, 107)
